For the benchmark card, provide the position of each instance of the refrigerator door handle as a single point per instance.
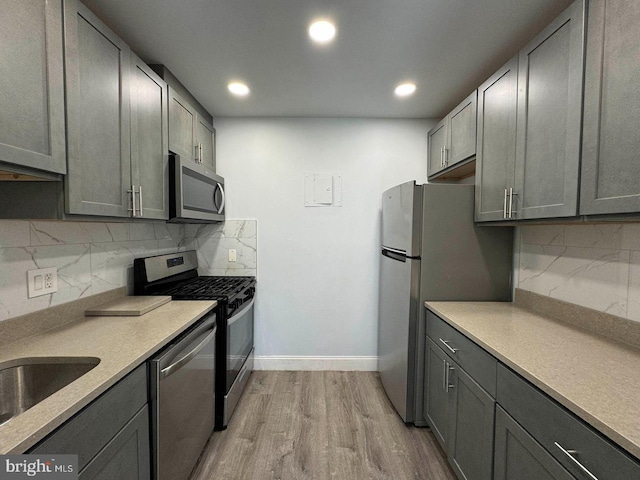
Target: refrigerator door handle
(394, 256)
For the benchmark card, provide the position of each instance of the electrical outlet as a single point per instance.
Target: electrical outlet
(42, 281)
(232, 255)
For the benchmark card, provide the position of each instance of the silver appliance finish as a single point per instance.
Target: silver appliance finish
(233, 395)
(163, 266)
(431, 250)
(197, 193)
(183, 401)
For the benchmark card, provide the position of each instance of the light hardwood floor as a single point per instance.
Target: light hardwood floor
(319, 425)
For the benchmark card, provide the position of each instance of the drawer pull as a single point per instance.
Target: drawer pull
(444, 374)
(570, 454)
(446, 344)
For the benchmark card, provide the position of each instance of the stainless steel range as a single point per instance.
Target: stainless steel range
(177, 275)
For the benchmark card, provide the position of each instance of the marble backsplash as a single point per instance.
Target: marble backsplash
(596, 266)
(94, 257)
(213, 242)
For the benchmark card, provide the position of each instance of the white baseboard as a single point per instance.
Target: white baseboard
(273, 362)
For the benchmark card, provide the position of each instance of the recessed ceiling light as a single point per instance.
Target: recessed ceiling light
(405, 89)
(322, 31)
(238, 88)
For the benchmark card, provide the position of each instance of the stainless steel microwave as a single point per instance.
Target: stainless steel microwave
(196, 194)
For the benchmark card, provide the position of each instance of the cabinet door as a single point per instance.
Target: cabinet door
(496, 144)
(437, 408)
(182, 126)
(462, 131)
(149, 141)
(126, 456)
(31, 85)
(470, 447)
(207, 141)
(549, 119)
(519, 456)
(97, 76)
(437, 137)
(610, 145)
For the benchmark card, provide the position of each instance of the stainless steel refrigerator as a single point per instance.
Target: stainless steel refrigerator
(430, 250)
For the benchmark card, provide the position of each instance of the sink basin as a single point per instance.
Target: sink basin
(27, 381)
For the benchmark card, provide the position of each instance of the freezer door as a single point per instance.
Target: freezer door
(396, 327)
(402, 218)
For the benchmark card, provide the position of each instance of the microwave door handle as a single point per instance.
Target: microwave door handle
(221, 207)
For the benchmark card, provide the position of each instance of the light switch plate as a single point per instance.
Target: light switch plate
(232, 254)
(42, 281)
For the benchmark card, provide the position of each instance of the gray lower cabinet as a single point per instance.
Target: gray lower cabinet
(550, 72)
(149, 142)
(519, 457)
(461, 415)
(496, 142)
(111, 435)
(582, 451)
(453, 140)
(610, 141)
(98, 128)
(32, 124)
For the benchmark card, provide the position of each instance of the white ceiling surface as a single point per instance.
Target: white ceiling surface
(448, 47)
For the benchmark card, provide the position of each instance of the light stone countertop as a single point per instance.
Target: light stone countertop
(121, 344)
(596, 378)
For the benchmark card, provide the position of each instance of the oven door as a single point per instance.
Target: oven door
(239, 341)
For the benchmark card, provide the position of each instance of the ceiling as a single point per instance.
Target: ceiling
(447, 47)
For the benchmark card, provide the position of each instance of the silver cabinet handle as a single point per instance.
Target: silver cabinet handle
(444, 374)
(511, 209)
(441, 157)
(570, 454)
(197, 159)
(449, 385)
(504, 208)
(133, 200)
(201, 155)
(140, 198)
(446, 344)
(165, 372)
(446, 156)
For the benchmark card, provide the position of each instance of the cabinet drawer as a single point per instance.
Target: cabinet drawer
(553, 427)
(477, 363)
(91, 429)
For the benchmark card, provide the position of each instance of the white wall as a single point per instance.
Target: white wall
(317, 266)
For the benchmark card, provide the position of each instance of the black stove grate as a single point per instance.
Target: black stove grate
(210, 287)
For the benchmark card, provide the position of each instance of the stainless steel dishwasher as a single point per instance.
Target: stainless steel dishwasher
(183, 400)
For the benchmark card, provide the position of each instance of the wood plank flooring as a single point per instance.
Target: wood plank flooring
(319, 425)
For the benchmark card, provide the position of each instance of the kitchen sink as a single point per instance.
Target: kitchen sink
(26, 381)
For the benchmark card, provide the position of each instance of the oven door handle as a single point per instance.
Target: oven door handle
(239, 314)
(174, 367)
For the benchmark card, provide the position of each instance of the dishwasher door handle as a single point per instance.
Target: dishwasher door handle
(174, 367)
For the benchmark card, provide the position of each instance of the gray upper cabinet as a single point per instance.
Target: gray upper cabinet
(496, 143)
(191, 135)
(550, 70)
(206, 142)
(32, 128)
(149, 141)
(453, 140)
(462, 131)
(98, 129)
(182, 126)
(610, 145)
(437, 138)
